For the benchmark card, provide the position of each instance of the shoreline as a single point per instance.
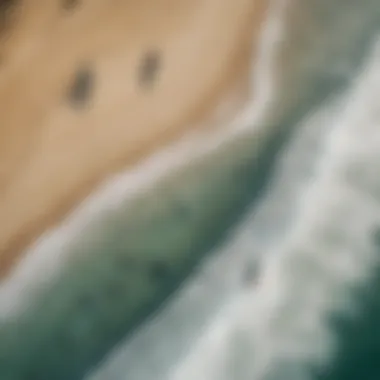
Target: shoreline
(28, 214)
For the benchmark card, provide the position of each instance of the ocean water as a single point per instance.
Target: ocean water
(292, 292)
(257, 262)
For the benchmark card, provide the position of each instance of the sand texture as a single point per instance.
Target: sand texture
(89, 90)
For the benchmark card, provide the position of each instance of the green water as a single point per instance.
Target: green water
(131, 262)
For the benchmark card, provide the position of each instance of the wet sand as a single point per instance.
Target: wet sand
(58, 143)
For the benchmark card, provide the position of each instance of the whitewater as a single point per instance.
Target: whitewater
(271, 302)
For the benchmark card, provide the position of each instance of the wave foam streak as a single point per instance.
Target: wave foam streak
(331, 250)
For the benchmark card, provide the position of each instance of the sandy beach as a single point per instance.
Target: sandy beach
(55, 149)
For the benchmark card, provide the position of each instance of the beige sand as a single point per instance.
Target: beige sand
(52, 155)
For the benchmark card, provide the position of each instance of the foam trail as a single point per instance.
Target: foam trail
(280, 329)
(223, 350)
(330, 249)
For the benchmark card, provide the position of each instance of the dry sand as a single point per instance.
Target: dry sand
(54, 152)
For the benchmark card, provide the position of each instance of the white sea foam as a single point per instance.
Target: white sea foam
(277, 329)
